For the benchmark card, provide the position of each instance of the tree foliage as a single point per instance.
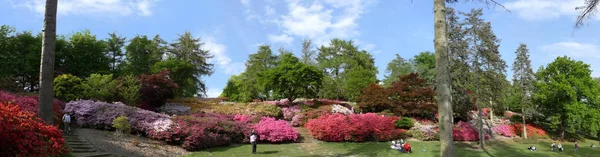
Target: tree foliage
(293, 79)
(114, 50)
(182, 73)
(68, 88)
(85, 55)
(142, 53)
(189, 50)
(156, 89)
(411, 96)
(374, 98)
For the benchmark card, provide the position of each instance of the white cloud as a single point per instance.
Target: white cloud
(245, 2)
(269, 11)
(588, 53)
(219, 51)
(544, 9)
(213, 92)
(283, 39)
(116, 7)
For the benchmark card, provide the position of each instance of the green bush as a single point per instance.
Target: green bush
(68, 87)
(99, 87)
(128, 89)
(121, 123)
(516, 119)
(404, 123)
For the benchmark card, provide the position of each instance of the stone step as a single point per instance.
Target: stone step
(83, 150)
(94, 154)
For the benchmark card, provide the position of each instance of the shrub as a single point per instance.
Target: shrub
(99, 87)
(504, 130)
(290, 112)
(203, 130)
(532, 130)
(465, 132)
(97, 114)
(297, 120)
(156, 89)
(340, 109)
(264, 109)
(23, 134)
(374, 98)
(269, 129)
(354, 127)
(426, 132)
(30, 104)
(174, 109)
(195, 104)
(260, 109)
(412, 96)
(516, 119)
(404, 123)
(68, 87)
(121, 123)
(128, 89)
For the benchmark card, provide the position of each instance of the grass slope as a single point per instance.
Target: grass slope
(509, 148)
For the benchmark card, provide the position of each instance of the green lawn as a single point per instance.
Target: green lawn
(494, 149)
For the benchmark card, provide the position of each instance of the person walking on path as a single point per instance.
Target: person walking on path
(253, 139)
(67, 120)
(576, 147)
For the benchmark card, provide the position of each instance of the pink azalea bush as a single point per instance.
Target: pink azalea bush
(269, 129)
(30, 104)
(465, 132)
(504, 130)
(98, 114)
(425, 132)
(204, 130)
(290, 112)
(297, 120)
(354, 127)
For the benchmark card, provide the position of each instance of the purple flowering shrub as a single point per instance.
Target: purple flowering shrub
(204, 130)
(98, 114)
(290, 112)
(269, 129)
(297, 120)
(175, 109)
(504, 130)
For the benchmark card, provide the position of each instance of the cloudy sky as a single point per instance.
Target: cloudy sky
(232, 29)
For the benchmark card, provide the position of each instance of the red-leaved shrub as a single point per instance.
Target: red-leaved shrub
(269, 129)
(354, 127)
(23, 134)
(156, 89)
(465, 132)
(532, 130)
(30, 104)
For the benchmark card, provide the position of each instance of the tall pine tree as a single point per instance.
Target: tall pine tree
(523, 79)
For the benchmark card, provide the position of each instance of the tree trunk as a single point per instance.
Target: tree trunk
(47, 62)
(523, 117)
(443, 79)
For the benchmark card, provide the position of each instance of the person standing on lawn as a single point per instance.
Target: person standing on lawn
(253, 139)
(576, 147)
(553, 145)
(67, 120)
(560, 148)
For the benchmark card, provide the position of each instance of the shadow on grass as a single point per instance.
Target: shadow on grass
(268, 152)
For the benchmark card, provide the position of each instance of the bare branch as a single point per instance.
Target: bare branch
(587, 12)
(497, 4)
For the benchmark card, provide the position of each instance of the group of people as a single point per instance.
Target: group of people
(561, 149)
(401, 146)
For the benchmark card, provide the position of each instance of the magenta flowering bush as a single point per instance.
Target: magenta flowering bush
(504, 130)
(290, 112)
(174, 109)
(269, 129)
(465, 132)
(98, 114)
(203, 130)
(280, 103)
(297, 120)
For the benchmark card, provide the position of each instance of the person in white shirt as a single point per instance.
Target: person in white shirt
(67, 120)
(560, 148)
(253, 140)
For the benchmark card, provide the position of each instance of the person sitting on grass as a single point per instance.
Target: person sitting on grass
(407, 148)
(560, 148)
(532, 148)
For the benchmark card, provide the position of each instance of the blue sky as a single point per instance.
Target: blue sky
(232, 29)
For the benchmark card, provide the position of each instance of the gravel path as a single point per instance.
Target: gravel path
(128, 145)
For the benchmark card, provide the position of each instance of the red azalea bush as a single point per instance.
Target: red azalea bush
(269, 129)
(532, 130)
(465, 132)
(354, 127)
(504, 130)
(30, 104)
(203, 130)
(23, 134)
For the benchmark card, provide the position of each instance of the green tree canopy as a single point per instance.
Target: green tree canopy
(293, 79)
(142, 54)
(85, 55)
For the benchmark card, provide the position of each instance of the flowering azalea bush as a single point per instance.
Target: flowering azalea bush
(340, 109)
(290, 112)
(204, 130)
(424, 132)
(30, 104)
(504, 130)
(297, 120)
(174, 109)
(23, 134)
(354, 127)
(195, 104)
(269, 129)
(98, 114)
(465, 132)
(532, 130)
(261, 109)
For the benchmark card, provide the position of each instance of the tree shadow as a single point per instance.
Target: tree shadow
(268, 152)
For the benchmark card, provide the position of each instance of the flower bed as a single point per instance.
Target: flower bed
(465, 132)
(269, 129)
(97, 114)
(174, 109)
(23, 134)
(532, 130)
(30, 104)
(290, 112)
(261, 109)
(504, 130)
(424, 132)
(195, 104)
(354, 127)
